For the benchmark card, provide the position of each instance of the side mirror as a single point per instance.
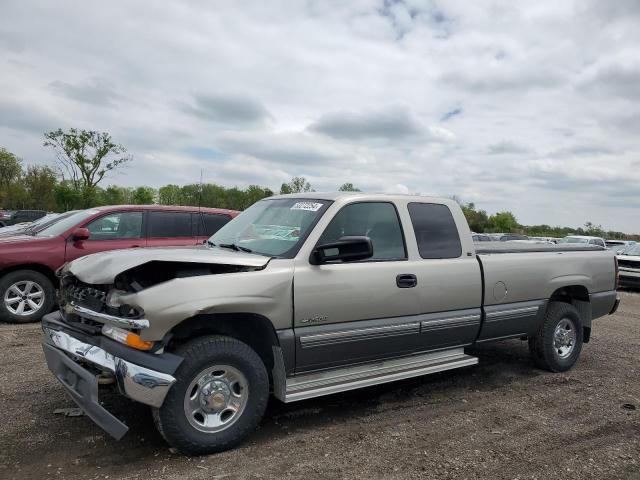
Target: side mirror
(347, 249)
(80, 234)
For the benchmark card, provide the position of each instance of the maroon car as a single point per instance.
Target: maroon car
(28, 262)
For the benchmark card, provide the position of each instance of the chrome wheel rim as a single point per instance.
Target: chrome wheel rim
(24, 298)
(216, 398)
(564, 338)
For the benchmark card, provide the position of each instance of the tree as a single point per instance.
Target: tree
(478, 220)
(348, 187)
(296, 185)
(10, 173)
(504, 222)
(169, 195)
(85, 157)
(10, 167)
(40, 184)
(143, 195)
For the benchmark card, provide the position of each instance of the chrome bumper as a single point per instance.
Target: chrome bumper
(138, 383)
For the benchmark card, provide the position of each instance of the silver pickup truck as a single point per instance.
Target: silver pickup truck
(307, 295)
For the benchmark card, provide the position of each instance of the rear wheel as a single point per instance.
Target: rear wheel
(25, 296)
(220, 396)
(557, 345)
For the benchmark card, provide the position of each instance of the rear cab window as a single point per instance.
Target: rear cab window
(436, 230)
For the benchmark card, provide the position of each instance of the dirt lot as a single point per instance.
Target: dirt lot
(499, 419)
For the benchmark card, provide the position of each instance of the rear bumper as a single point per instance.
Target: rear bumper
(76, 363)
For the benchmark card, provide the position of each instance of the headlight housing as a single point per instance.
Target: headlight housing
(126, 337)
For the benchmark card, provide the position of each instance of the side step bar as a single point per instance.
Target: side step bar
(317, 384)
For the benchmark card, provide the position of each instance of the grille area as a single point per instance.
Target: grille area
(628, 263)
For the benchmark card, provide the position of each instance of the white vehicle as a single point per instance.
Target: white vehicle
(583, 240)
(619, 246)
(629, 266)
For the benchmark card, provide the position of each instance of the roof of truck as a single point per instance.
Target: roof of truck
(382, 196)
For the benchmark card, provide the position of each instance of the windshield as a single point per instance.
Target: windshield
(632, 250)
(65, 224)
(275, 228)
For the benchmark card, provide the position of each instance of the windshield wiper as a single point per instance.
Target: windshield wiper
(235, 247)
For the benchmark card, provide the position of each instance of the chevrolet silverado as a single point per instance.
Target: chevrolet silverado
(305, 295)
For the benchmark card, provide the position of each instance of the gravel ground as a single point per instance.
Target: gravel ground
(500, 419)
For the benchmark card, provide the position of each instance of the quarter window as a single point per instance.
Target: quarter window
(436, 231)
(116, 226)
(376, 220)
(169, 224)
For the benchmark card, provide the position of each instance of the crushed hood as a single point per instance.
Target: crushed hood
(102, 268)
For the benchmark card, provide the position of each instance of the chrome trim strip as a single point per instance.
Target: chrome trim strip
(452, 322)
(353, 335)
(512, 313)
(138, 383)
(74, 309)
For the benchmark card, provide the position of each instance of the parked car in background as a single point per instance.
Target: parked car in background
(33, 227)
(583, 240)
(618, 246)
(28, 261)
(480, 237)
(5, 215)
(23, 216)
(629, 266)
(507, 237)
(306, 295)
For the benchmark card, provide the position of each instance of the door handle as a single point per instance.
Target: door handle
(406, 280)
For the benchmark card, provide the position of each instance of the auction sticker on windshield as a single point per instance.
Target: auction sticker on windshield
(308, 206)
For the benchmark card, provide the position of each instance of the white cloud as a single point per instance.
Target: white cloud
(525, 106)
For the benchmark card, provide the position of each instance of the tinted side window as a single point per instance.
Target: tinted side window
(209, 223)
(378, 221)
(435, 230)
(169, 224)
(116, 226)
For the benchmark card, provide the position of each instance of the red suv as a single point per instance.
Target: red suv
(28, 262)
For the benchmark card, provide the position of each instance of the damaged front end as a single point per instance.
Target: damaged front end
(97, 335)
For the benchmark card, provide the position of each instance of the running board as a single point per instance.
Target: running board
(317, 384)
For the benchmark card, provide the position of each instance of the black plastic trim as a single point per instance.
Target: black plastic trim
(82, 387)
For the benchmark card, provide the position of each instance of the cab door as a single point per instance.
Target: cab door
(111, 231)
(449, 278)
(356, 311)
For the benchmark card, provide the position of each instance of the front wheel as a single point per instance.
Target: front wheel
(25, 296)
(220, 395)
(557, 345)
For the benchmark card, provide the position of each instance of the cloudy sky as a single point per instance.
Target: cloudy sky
(530, 106)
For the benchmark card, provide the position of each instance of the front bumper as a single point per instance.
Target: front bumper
(75, 364)
(629, 278)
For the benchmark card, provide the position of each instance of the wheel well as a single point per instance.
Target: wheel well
(578, 296)
(36, 267)
(254, 330)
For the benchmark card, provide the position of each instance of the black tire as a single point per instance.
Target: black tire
(543, 346)
(41, 281)
(200, 354)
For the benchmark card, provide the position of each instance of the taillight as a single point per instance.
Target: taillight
(615, 261)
